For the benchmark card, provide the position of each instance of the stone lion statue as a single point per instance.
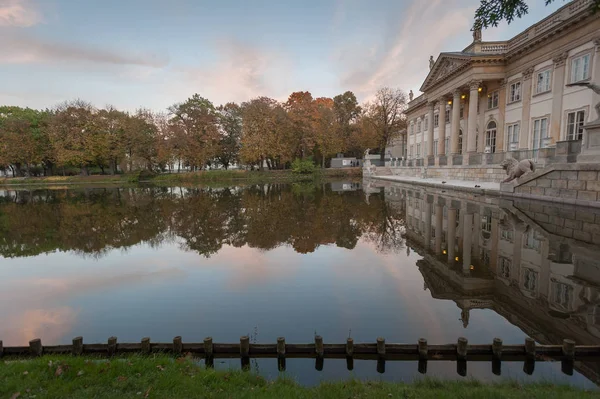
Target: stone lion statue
(515, 169)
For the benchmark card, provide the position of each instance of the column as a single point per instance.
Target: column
(439, 214)
(502, 108)
(524, 132)
(442, 128)
(596, 79)
(495, 239)
(558, 86)
(423, 149)
(455, 122)
(430, 112)
(427, 223)
(472, 117)
(467, 240)
(481, 124)
(451, 234)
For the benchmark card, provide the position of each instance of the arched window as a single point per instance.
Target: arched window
(490, 137)
(460, 141)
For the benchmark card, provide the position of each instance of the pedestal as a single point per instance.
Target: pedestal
(590, 151)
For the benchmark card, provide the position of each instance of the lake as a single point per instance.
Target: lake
(337, 260)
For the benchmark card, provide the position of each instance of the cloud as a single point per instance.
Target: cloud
(21, 13)
(241, 72)
(26, 49)
(402, 61)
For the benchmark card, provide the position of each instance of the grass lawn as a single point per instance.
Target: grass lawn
(164, 377)
(212, 176)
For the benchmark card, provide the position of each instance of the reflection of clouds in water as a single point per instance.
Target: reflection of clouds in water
(49, 324)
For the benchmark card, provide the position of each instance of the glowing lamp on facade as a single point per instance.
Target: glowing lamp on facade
(449, 102)
(472, 267)
(456, 259)
(444, 252)
(463, 96)
(480, 89)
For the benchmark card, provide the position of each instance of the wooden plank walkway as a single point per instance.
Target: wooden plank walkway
(381, 351)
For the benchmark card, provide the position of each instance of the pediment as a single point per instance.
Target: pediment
(443, 68)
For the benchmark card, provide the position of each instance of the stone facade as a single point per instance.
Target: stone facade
(510, 96)
(474, 174)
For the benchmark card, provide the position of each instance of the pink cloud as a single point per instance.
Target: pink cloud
(20, 13)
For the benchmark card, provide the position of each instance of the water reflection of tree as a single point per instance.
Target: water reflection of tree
(387, 229)
(93, 222)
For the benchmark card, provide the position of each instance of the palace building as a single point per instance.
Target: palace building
(510, 98)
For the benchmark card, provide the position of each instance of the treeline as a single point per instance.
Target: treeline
(92, 222)
(76, 137)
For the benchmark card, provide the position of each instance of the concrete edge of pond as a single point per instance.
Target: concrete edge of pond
(487, 188)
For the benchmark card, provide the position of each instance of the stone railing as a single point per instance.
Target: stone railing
(501, 47)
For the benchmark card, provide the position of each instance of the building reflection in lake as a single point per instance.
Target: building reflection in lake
(487, 253)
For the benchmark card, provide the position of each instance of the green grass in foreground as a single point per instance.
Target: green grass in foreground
(165, 377)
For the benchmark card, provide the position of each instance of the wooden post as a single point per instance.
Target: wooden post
(1, 350)
(281, 353)
(381, 365)
(349, 347)
(568, 350)
(497, 348)
(422, 347)
(381, 346)
(349, 363)
(529, 347)
(319, 345)
(146, 346)
(496, 356)
(112, 346)
(35, 347)
(461, 348)
(244, 346)
(208, 346)
(77, 346)
(177, 345)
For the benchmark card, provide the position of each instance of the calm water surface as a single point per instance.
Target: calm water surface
(295, 261)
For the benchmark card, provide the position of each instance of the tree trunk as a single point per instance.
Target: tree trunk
(102, 168)
(27, 170)
(262, 162)
(85, 171)
(323, 162)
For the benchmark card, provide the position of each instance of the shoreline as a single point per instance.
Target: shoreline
(161, 376)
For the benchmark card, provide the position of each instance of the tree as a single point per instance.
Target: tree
(491, 12)
(327, 134)
(300, 108)
(347, 113)
(23, 139)
(195, 122)
(230, 124)
(71, 132)
(385, 116)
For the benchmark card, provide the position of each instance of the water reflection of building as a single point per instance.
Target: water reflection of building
(345, 186)
(491, 254)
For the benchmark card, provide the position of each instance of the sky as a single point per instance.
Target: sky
(154, 53)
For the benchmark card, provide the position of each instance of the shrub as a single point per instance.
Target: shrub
(303, 166)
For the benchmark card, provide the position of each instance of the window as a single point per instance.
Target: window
(462, 111)
(540, 132)
(447, 145)
(493, 99)
(460, 141)
(411, 151)
(515, 92)
(543, 82)
(580, 68)
(426, 127)
(419, 126)
(412, 128)
(530, 279)
(513, 136)
(447, 116)
(490, 137)
(507, 235)
(505, 265)
(563, 294)
(418, 150)
(435, 147)
(575, 122)
(531, 242)
(436, 120)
